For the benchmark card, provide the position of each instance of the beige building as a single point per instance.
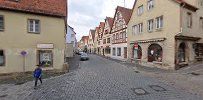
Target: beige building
(107, 37)
(32, 33)
(166, 33)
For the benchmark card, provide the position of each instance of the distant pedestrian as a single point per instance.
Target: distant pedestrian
(37, 75)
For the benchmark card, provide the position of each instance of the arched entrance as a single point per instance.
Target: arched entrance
(155, 53)
(182, 52)
(137, 55)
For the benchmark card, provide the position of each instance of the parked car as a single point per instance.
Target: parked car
(84, 56)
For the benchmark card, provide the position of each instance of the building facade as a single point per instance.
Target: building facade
(168, 38)
(83, 44)
(100, 39)
(107, 37)
(31, 37)
(119, 33)
(71, 42)
(91, 41)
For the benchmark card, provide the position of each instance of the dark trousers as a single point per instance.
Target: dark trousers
(36, 80)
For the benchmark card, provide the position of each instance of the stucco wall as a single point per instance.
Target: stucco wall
(170, 11)
(15, 38)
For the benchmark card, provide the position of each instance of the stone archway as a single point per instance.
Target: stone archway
(155, 53)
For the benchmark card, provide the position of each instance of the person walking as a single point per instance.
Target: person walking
(37, 75)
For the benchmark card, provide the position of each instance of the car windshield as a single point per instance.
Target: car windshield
(84, 54)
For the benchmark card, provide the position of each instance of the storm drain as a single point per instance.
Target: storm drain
(157, 88)
(140, 91)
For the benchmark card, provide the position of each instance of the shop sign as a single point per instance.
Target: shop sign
(45, 46)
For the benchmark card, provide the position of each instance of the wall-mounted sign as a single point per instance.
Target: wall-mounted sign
(23, 53)
(45, 46)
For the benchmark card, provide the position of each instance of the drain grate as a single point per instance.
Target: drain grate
(140, 91)
(157, 88)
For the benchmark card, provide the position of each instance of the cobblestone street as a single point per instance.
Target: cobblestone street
(97, 79)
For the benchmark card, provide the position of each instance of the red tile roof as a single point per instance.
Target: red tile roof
(45, 7)
(126, 13)
(110, 21)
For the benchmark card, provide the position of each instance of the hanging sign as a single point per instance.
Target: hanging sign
(136, 45)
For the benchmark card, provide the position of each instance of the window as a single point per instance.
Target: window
(121, 35)
(72, 35)
(135, 30)
(159, 22)
(189, 20)
(2, 58)
(108, 40)
(201, 23)
(150, 4)
(104, 41)
(150, 25)
(45, 58)
(1, 23)
(201, 3)
(155, 53)
(114, 37)
(140, 10)
(33, 26)
(118, 51)
(114, 51)
(140, 28)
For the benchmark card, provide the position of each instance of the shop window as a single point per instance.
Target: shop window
(155, 53)
(45, 58)
(181, 52)
(118, 51)
(2, 58)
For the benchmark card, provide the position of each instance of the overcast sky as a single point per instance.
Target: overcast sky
(84, 15)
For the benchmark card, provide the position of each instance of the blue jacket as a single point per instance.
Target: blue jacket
(37, 73)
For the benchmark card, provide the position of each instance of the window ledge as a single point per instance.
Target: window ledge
(159, 29)
(34, 32)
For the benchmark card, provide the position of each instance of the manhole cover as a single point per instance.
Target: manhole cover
(139, 91)
(2, 96)
(157, 88)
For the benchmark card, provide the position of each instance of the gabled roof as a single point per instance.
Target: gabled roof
(126, 13)
(101, 26)
(110, 21)
(92, 32)
(44, 7)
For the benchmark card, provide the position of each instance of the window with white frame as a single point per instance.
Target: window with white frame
(33, 26)
(150, 25)
(1, 23)
(140, 28)
(118, 51)
(150, 4)
(189, 20)
(159, 22)
(2, 58)
(135, 29)
(140, 10)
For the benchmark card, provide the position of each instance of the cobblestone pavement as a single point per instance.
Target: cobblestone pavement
(97, 79)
